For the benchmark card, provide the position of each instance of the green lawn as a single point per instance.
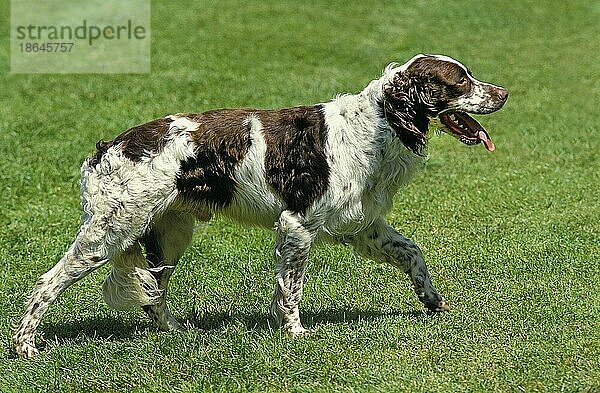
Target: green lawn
(511, 237)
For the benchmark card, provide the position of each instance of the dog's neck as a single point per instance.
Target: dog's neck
(413, 139)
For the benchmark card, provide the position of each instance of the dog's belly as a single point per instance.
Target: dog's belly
(342, 214)
(254, 205)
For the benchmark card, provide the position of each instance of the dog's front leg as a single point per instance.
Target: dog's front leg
(294, 240)
(381, 242)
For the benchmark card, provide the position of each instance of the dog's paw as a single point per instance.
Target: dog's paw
(25, 350)
(435, 302)
(440, 306)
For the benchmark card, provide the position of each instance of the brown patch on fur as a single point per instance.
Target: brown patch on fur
(144, 140)
(405, 114)
(295, 162)
(140, 141)
(440, 71)
(439, 82)
(222, 140)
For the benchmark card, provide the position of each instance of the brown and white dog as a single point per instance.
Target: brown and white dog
(327, 171)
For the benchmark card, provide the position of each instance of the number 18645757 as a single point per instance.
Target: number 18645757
(48, 47)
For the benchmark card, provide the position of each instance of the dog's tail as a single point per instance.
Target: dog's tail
(130, 283)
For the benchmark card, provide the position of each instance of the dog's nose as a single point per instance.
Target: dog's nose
(502, 94)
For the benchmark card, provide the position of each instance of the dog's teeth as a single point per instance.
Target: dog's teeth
(467, 141)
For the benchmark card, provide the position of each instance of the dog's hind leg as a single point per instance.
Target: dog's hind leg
(93, 247)
(165, 243)
(381, 242)
(294, 240)
(136, 280)
(130, 283)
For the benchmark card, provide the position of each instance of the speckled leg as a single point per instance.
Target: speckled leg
(88, 252)
(294, 240)
(383, 243)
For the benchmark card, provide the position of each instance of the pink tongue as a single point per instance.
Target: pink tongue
(483, 136)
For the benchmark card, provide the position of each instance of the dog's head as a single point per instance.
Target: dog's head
(430, 86)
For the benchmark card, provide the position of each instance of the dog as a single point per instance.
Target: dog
(323, 172)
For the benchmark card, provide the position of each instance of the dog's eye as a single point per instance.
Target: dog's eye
(462, 80)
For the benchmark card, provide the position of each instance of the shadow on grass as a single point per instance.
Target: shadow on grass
(108, 328)
(104, 328)
(310, 319)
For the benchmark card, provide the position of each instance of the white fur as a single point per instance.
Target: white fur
(112, 190)
(182, 123)
(254, 203)
(367, 163)
(476, 101)
(129, 283)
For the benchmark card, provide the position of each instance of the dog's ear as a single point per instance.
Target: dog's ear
(404, 111)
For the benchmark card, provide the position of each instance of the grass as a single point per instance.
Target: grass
(511, 238)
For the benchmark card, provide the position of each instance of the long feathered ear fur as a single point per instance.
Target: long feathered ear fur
(405, 113)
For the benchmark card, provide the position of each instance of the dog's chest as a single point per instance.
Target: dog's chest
(363, 182)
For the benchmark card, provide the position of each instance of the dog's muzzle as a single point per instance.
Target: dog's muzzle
(467, 129)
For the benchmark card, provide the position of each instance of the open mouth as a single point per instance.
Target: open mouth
(466, 129)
